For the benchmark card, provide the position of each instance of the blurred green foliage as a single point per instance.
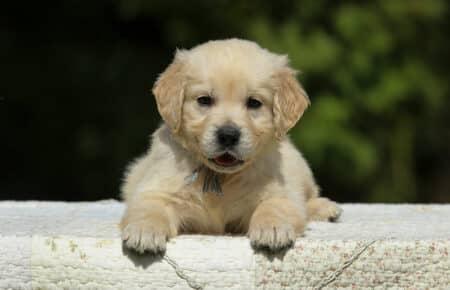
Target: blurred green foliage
(377, 83)
(75, 105)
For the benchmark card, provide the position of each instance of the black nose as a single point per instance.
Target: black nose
(228, 136)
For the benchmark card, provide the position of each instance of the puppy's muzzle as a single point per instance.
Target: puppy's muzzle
(228, 136)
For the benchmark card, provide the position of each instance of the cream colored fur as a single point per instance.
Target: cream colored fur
(270, 197)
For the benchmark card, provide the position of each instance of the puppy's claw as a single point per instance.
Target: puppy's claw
(335, 214)
(273, 238)
(143, 238)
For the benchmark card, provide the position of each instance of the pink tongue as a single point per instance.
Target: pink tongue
(225, 159)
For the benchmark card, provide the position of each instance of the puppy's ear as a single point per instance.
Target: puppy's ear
(290, 102)
(169, 94)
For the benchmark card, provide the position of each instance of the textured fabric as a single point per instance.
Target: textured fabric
(56, 245)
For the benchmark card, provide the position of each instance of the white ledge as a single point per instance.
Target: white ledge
(57, 245)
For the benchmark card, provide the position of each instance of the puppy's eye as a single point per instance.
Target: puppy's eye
(253, 103)
(205, 101)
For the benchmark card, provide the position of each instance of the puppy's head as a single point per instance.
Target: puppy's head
(226, 101)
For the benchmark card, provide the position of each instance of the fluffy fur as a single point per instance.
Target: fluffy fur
(270, 196)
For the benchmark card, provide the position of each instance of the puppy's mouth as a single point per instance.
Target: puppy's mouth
(226, 160)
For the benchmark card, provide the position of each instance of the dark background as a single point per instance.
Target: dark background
(76, 106)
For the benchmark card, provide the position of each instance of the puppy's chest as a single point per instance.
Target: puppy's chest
(229, 211)
(233, 207)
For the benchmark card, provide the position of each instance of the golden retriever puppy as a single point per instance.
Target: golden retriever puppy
(222, 162)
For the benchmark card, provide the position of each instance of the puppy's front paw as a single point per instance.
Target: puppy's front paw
(144, 236)
(272, 236)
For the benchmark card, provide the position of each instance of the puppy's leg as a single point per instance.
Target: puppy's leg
(148, 223)
(275, 224)
(322, 209)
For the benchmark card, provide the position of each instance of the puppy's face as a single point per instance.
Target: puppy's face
(227, 118)
(229, 100)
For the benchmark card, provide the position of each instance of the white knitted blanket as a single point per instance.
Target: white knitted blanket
(57, 245)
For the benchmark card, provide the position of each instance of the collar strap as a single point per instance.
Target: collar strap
(212, 181)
